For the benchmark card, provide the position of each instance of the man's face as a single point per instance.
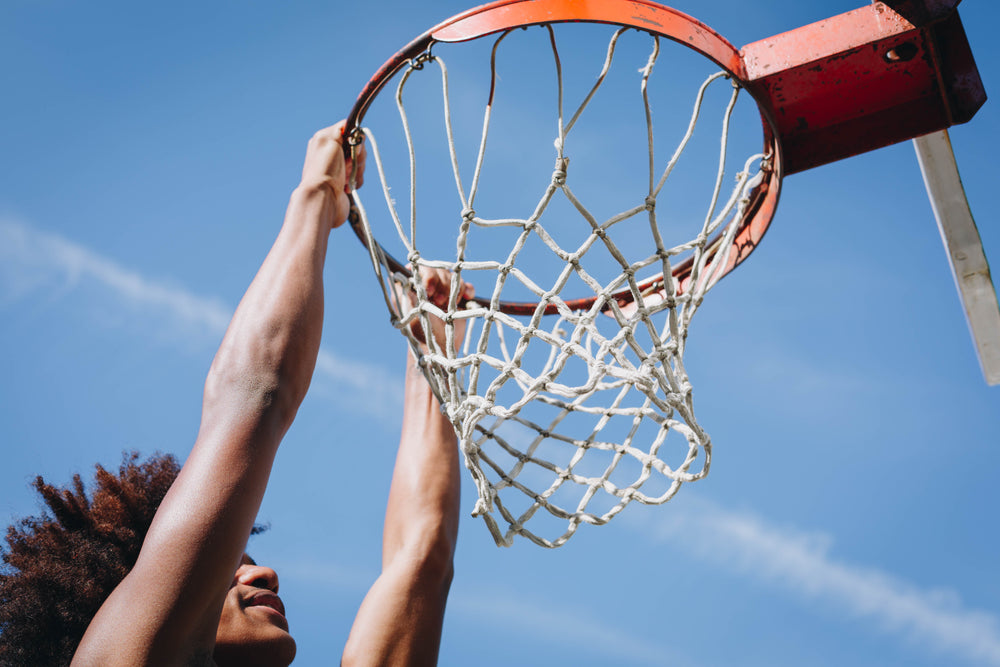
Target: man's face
(252, 629)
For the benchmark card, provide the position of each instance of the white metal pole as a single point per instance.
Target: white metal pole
(964, 247)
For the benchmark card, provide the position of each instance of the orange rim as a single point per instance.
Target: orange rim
(642, 15)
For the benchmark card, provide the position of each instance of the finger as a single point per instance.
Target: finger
(324, 156)
(355, 166)
(437, 289)
(360, 158)
(349, 170)
(430, 289)
(442, 290)
(332, 134)
(430, 281)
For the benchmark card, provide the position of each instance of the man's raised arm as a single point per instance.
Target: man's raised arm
(167, 609)
(400, 620)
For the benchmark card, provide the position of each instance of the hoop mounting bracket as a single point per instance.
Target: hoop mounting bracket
(865, 79)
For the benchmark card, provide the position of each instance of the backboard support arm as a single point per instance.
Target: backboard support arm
(963, 246)
(875, 76)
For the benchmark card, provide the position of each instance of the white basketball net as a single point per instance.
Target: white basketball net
(612, 386)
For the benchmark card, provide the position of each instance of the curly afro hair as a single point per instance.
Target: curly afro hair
(58, 569)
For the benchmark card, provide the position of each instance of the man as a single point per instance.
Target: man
(193, 596)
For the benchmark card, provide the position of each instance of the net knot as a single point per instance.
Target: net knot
(482, 508)
(413, 257)
(559, 175)
(468, 214)
(665, 351)
(646, 385)
(650, 203)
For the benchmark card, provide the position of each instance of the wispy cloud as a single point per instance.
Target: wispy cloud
(37, 264)
(800, 563)
(40, 263)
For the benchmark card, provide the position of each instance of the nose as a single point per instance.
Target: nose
(257, 576)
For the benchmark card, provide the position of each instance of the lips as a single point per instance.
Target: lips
(267, 599)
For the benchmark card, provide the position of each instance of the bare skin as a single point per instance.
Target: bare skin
(399, 622)
(194, 597)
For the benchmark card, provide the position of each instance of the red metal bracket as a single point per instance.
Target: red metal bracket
(865, 79)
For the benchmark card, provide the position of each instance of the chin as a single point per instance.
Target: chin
(278, 651)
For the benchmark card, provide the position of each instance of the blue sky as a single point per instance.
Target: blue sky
(146, 157)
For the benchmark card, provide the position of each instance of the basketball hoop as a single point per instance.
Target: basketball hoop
(573, 398)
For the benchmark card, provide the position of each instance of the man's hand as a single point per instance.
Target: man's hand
(326, 168)
(437, 284)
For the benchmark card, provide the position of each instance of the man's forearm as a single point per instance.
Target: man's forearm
(422, 511)
(267, 357)
(257, 380)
